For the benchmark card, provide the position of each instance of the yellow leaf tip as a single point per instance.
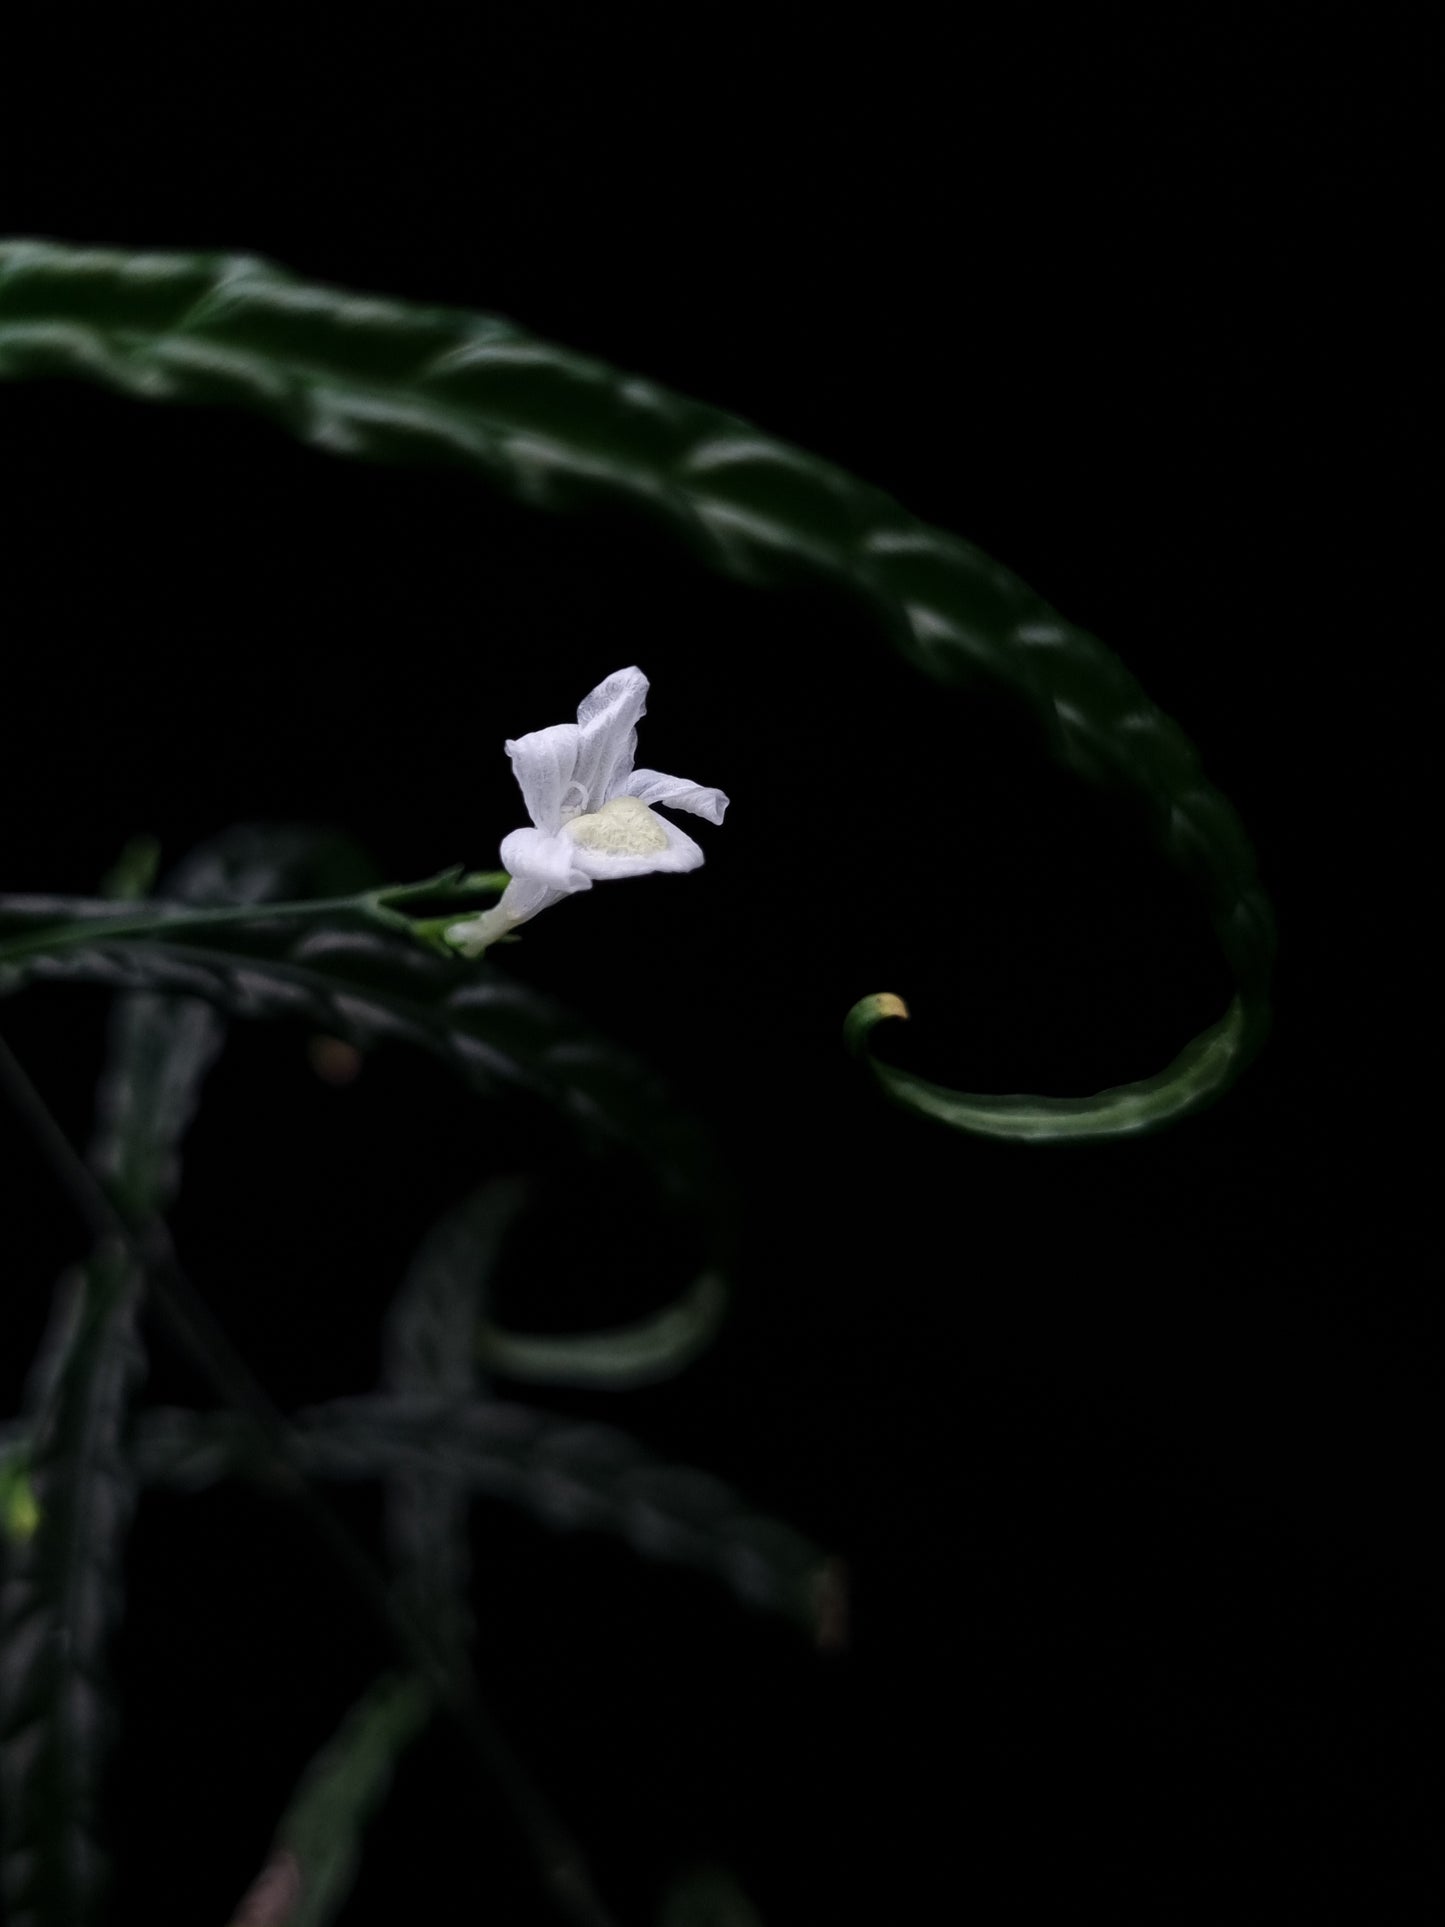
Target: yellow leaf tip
(869, 1011)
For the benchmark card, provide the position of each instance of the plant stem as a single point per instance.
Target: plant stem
(103, 920)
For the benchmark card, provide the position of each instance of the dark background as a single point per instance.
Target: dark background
(1113, 1440)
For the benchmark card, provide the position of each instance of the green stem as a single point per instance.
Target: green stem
(377, 906)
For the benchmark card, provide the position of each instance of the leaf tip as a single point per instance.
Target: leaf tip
(869, 1011)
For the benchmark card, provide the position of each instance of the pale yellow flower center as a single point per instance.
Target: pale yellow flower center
(623, 827)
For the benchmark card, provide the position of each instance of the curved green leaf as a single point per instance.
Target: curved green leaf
(161, 1047)
(60, 1599)
(1205, 1064)
(643, 1353)
(574, 1477)
(388, 381)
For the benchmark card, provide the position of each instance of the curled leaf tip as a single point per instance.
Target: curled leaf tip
(869, 1011)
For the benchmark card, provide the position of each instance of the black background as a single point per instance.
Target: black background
(1110, 1439)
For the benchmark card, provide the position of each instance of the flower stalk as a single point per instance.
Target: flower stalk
(61, 923)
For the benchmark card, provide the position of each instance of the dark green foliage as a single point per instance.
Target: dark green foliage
(429, 1361)
(431, 1435)
(1205, 1064)
(574, 1477)
(369, 987)
(61, 1598)
(62, 1588)
(386, 381)
(383, 380)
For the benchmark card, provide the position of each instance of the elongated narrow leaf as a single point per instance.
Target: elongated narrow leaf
(62, 1596)
(429, 1357)
(570, 1476)
(1123, 1111)
(388, 381)
(317, 1848)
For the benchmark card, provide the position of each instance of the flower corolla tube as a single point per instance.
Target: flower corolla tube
(592, 813)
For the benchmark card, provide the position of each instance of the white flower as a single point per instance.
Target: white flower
(591, 811)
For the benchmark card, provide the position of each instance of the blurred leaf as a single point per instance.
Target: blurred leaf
(571, 1476)
(60, 1599)
(161, 1047)
(133, 873)
(652, 1349)
(428, 1347)
(19, 1508)
(384, 380)
(313, 1859)
(62, 1594)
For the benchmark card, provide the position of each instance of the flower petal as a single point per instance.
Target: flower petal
(544, 763)
(651, 786)
(535, 857)
(607, 734)
(681, 853)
